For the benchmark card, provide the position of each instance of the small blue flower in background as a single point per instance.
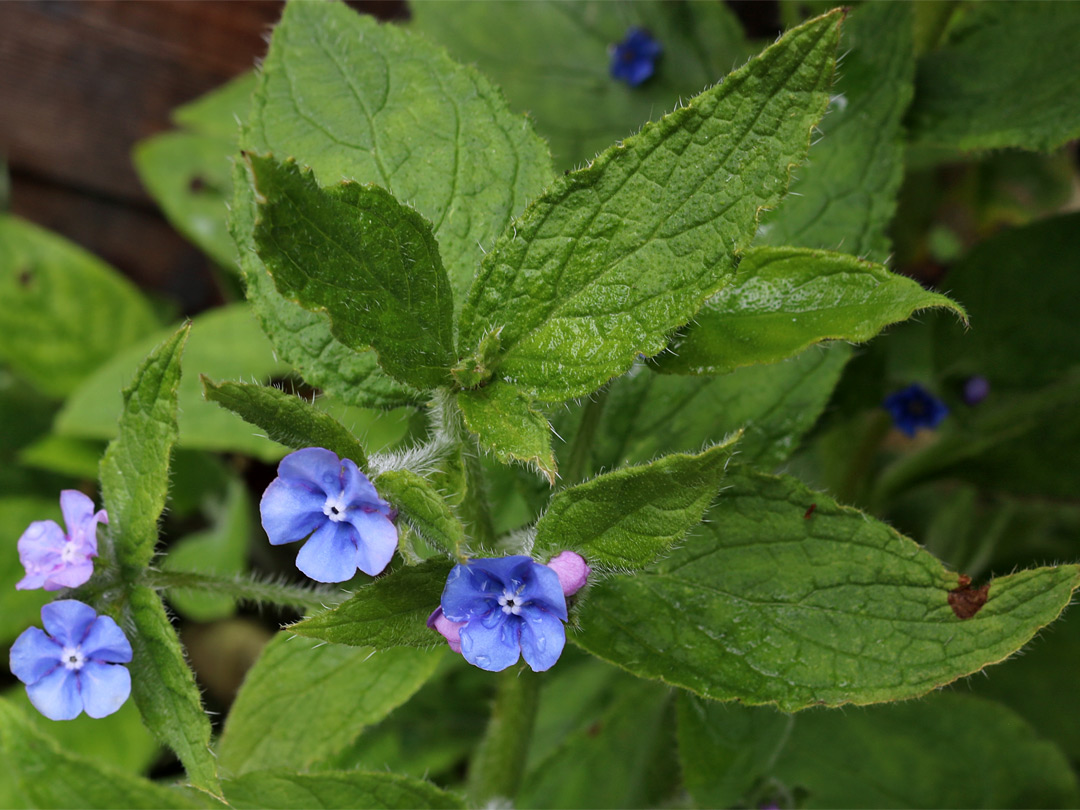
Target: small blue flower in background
(634, 59)
(914, 407)
(55, 560)
(505, 608)
(976, 389)
(76, 666)
(350, 526)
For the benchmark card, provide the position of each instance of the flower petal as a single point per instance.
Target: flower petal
(330, 554)
(313, 465)
(68, 621)
(542, 638)
(492, 645)
(57, 695)
(34, 655)
(449, 630)
(77, 508)
(469, 592)
(358, 490)
(378, 540)
(291, 510)
(71, 575)
(105, 687)
(106, 642)
(40, 547)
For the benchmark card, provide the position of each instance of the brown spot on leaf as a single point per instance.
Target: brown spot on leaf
(197, 184)
(594, 729)
(809, 511)
(966, 601)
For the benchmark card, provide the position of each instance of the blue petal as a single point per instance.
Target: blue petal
(57, 695)
(106, 642)
(510, 572)
(34, 655)
(330, 554)
(462, 599)
(542, 638)
(358, 490)
(313, 465)
(542, 587)
(68, 621)
(378, 540)
(72, 575)
(492, 643)
(40, 548)
(291, 511)
(77, 509)
(104, 687)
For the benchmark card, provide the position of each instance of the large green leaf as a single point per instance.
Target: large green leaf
(368, 261)
(784, 300)
(335, 790)
(844, 198)
(648, 414)
(63, 312)
(135, 467)
(626, 519)
(611, 259)
(302, 702)
(164, 687)
(509, 426)
(42, 774)
(776, 602)
(555, 62)
(984, 90)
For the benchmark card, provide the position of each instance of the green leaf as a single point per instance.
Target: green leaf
(225, 343)
(775, 603)
(628, 518)
(164, 687)
(63, 312)
(392, 611)
(47, 776)
(613, 258)
(287, 419)
(335, 790)
(370, 262)
(221, 549)
(303, 702)
(784, 300)
(135, 467)
(554, 61)
(78, 458)
(508, 426)
(423, 509)
(845, 197)
(725, 749)
(20, 609)
(649, 414)
(946, 750)
(218, 113)
(982, 89)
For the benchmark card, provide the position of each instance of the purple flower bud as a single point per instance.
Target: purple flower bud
(55, 560)
(634, 59)
(914, 407)
(451, 631)
(976, 389)
(572, 571)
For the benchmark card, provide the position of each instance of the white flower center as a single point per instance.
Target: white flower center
(70, 554)
(511, 602)
(72, 658)
(335, 507)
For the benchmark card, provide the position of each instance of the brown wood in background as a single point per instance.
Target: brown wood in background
(82, 82)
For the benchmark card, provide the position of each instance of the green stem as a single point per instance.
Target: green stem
(577, 465)
(245, 588)
(499, 762)
(857, 478)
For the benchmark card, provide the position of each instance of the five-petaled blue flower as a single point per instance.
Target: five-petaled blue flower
(318, 494)
(509, 607)
(914, 407)
(55, 560)
(76, 666)
(634, 59)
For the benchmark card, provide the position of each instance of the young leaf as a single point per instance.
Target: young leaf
(336, 790)
(784, 300)
(45, 775)
(613, 258)
(135, 467)
(164, 688)
(778, 603)
(287, 419)
(424, 509)
(508, 426)
(983, 89)
(626, 519)
(392, 611)
(63, 312)
(367, 260)
(303, 702)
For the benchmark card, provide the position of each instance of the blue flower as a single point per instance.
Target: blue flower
(976, 389)
(55, 560)
(75, 667)
(318, 494)
(634, 59)
(508, 607)
(914, 407)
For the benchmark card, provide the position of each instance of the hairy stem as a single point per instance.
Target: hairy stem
(577, 465)
(499, 762)
(245, 588)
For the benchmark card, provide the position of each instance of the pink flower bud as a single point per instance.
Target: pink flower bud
(572, 571)
(451, 631)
